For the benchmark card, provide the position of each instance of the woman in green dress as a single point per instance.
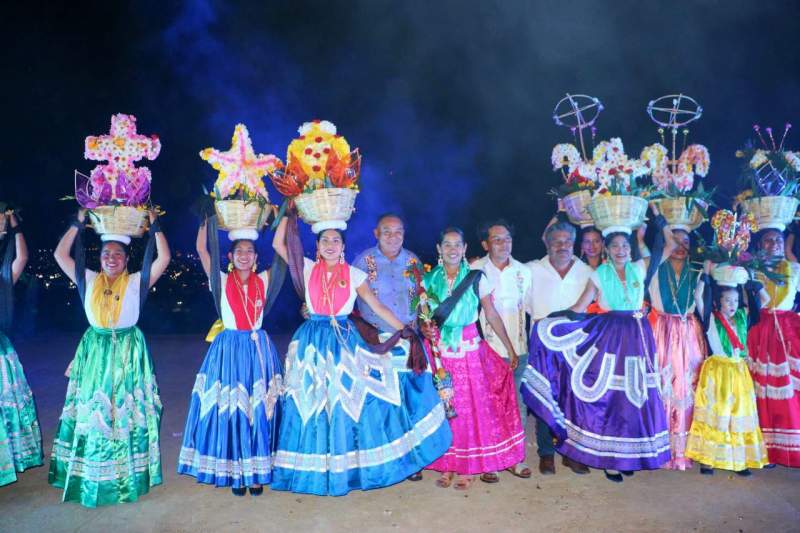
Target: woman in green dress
(106, 448)
(20, 439)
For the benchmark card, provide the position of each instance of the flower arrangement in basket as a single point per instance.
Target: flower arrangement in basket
(735, 264)
(772, 175)
(424, 305)
(321, 176)
(241, 201)
(117, 192)
(680, 197)
(609, 172)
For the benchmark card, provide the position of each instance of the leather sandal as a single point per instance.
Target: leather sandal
(445, 480)
(464, 482)
(520, 470)
(490, 477)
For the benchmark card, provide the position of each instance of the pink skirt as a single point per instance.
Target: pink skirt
(681, 349)
(487, 433)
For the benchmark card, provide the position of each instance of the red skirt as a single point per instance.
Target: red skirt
(774, 348)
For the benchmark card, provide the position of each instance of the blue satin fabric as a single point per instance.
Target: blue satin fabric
(369, 421)
(229, 439)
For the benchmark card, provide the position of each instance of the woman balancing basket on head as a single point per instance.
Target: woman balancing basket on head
(680, 344)
(353, 418)
(593, 379)
(20, 438)
(106, 449)
(231, 427)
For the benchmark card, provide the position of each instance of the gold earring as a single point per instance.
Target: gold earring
(341, 258)
(230, 267)
(319, 257)
(439, 261)
(255, 266)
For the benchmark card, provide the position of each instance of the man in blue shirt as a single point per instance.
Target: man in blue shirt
(385, 265)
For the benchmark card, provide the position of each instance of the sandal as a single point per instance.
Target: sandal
(464, 482)
(445, 480)
(415, 477)
(520, 470)
(490, 477)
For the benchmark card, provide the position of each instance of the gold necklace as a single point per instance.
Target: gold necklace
(257, 304)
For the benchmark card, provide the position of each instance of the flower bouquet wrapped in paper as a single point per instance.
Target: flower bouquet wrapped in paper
(117, 192)
(424, 305)
(241, 200)
(773, 176)
(321, 175)
(680, 197)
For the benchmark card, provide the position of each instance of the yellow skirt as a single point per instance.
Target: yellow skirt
(725, 432)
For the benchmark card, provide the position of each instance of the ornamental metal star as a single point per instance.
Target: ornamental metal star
(240, 164)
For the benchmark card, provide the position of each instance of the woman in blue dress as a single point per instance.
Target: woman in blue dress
(230, 435)
(352, 418)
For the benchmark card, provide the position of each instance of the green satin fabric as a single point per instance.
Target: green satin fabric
(685, 285)
(20, 437)
(465, 311)
(104, 455)
(628, 297)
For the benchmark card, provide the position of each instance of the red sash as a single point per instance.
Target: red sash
(732, 336)
(234, 291)
(338, 288)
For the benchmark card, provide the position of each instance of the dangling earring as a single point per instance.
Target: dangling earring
(230, 267)
(318, 257)
(255, 266)
(341, 258)
(439, 261)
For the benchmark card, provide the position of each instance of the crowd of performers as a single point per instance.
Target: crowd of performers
(629, 359)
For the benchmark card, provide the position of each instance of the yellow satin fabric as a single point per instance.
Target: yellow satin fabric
(725, 432)
(107, 307)
(216, 328)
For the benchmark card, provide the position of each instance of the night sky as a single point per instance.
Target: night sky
(450, 102)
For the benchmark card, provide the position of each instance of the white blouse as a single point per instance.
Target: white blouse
(228, 319)
(129, 313)
(357, 278)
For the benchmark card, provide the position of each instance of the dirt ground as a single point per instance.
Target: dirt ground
(650, 501)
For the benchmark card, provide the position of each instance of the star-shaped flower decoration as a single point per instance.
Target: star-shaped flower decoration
(240, 169)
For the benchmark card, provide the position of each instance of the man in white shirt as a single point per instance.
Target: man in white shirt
(557, 281)
(509, 282)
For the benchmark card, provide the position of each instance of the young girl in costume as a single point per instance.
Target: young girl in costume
(352, 418)
(594, 379)
(725, 432)
(680, 345)
(231, 428)
(106, 448)
(487, 433)
(20, 438)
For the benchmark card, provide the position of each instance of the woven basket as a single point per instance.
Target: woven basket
(324, 205)
(730, 276)
(238, 214)
(119, 220)
(576, 205)
(623, 211)
(772, 211)
(676, 211)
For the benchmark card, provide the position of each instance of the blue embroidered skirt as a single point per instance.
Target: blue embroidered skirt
(353, 419)
(230, 437)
